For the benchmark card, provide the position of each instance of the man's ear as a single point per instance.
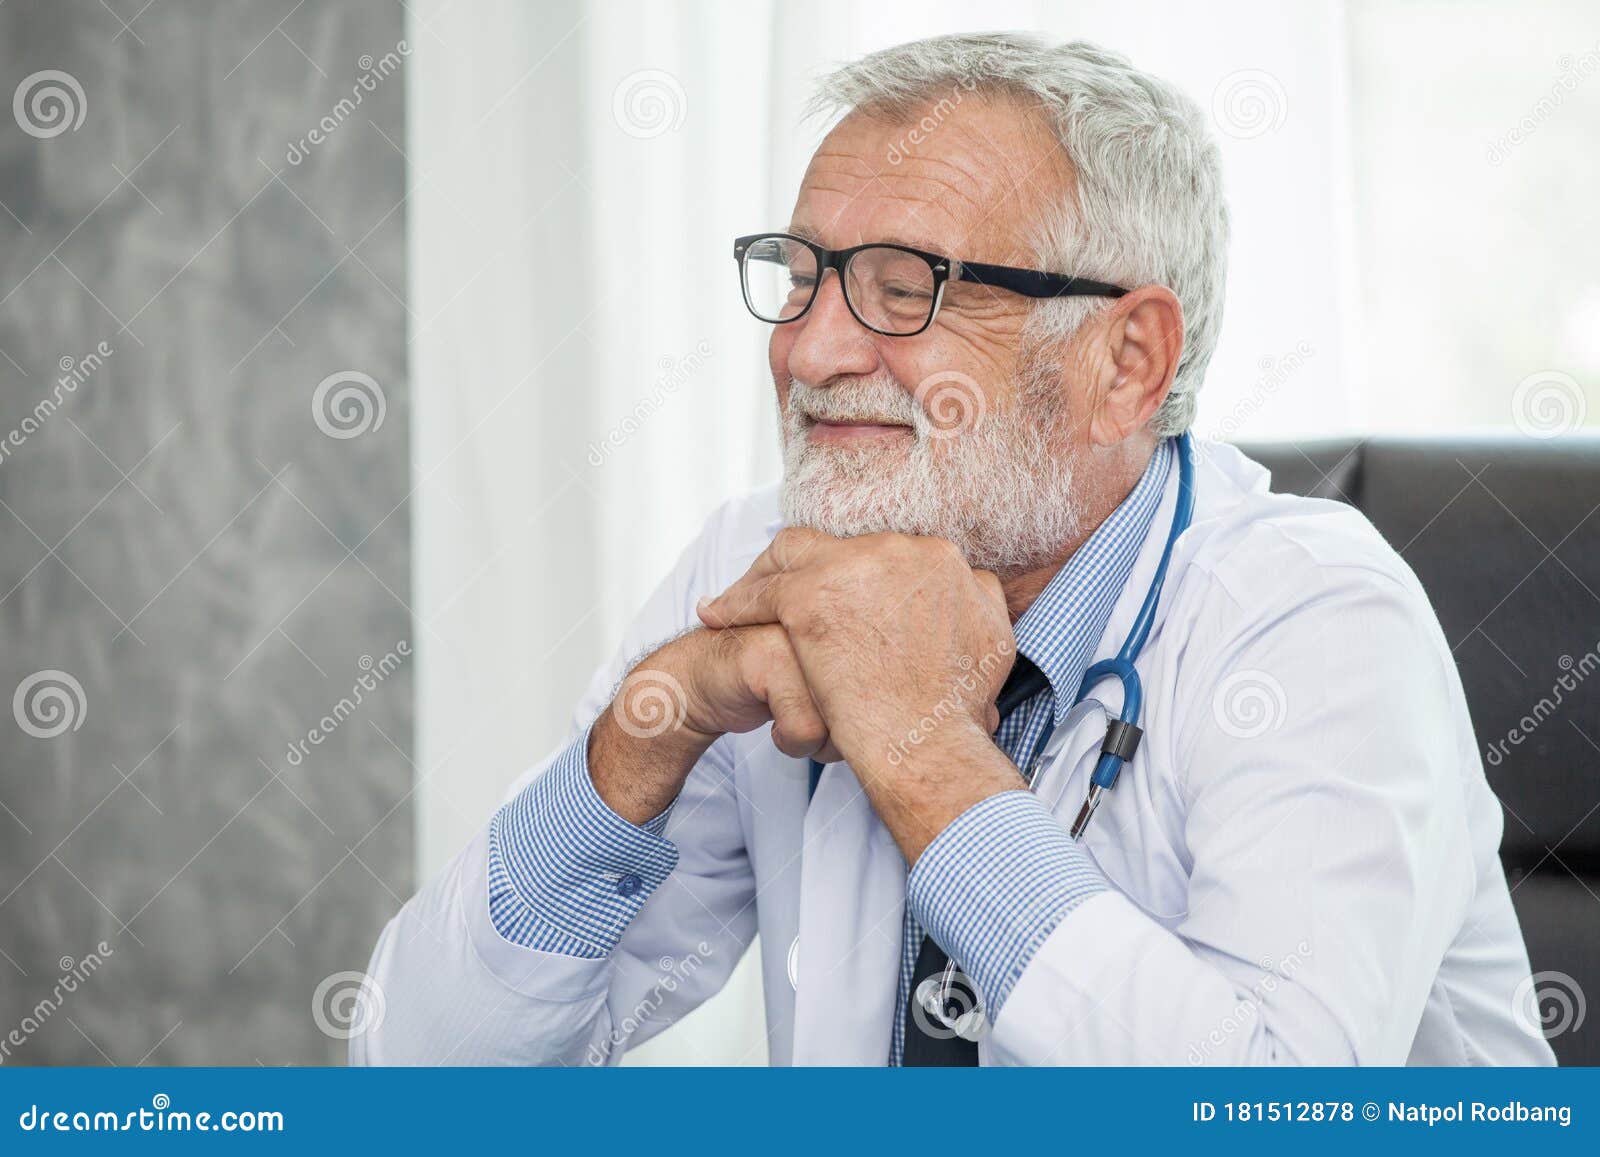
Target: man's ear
(1140, 339)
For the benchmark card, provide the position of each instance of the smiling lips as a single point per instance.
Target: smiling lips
(836, 432)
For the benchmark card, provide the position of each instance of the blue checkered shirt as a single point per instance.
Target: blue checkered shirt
(567, 874)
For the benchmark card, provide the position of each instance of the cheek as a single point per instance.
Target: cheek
(947, 366)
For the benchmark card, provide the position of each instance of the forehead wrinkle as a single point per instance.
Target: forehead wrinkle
(992, 196)
(950, 233)
(876, 202)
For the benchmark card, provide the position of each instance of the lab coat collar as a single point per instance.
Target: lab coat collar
(1222, 475)
(1064, 625)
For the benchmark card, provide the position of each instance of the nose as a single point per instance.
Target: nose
(830, 341)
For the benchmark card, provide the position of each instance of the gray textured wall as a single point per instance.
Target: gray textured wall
(183, 539)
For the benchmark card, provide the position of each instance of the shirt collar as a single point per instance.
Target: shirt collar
(1062, 628)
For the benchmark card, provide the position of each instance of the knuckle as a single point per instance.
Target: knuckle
(727, 645)
(791, 542)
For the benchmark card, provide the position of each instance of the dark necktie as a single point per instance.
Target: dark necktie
(942, 1046)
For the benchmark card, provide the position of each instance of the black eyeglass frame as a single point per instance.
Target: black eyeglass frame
(1028, 282)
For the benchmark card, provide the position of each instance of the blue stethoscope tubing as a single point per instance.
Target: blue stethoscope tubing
(1122, 737)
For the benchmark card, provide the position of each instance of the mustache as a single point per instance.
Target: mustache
(876, 400)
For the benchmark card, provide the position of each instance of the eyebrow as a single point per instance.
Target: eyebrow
(909, 242)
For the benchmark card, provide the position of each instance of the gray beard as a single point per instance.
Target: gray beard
(996, 483)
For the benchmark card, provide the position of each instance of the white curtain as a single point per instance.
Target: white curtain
(588, 385)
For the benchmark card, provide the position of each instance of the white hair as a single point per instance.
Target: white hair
(1149, 206)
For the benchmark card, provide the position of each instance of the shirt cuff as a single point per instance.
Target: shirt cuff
(566, 873)
(994, 884)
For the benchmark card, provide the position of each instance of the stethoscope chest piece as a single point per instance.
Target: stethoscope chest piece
(946, 1006)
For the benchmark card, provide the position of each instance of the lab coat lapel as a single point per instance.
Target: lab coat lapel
(1076, 740)
(1070, 757)
(852, 900)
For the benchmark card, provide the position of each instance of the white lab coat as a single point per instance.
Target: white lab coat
(1302, 855)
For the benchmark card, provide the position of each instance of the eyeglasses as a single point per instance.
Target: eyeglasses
(891, 289)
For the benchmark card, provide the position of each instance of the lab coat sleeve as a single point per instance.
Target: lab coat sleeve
(447, 988)
(1321, 784)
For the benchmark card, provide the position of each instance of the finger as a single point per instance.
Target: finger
(748, 602)
(798, 728)
(792, 548)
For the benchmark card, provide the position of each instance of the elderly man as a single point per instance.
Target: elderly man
(870, 714)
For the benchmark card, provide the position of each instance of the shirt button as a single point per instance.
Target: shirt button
(629, 884)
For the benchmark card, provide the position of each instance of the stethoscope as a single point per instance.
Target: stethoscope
(1121, 741)
(1124, 733)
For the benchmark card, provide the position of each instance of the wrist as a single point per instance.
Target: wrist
(639, 770)
(921, 787)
